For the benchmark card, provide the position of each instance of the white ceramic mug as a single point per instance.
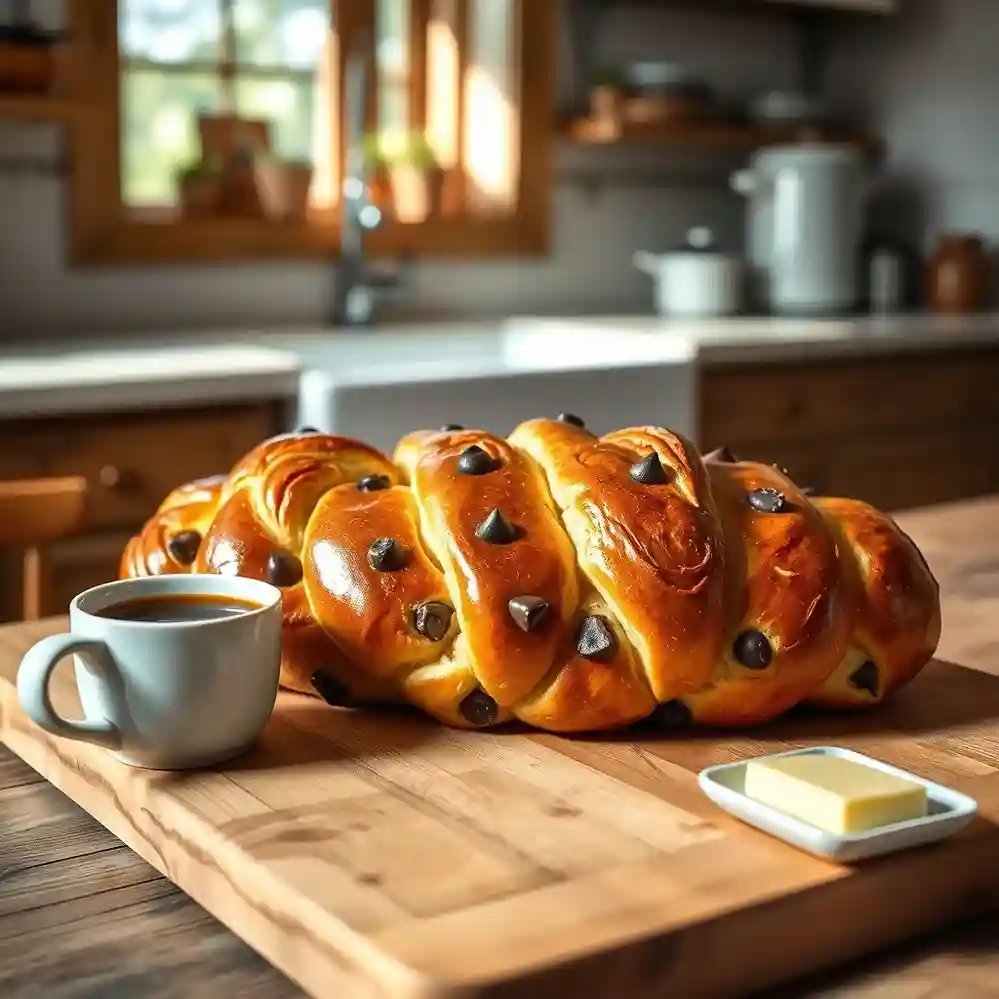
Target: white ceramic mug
(167, 695)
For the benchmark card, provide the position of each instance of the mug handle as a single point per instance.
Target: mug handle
(33, 678)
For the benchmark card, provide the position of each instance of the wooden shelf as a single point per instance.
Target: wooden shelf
(162, 236)
(705, 135)
(37, 107)
(774, 8)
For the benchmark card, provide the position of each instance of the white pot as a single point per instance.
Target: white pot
(696, 280)
(806, 215)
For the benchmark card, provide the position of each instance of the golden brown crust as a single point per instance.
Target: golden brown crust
(188, 508)
(484, 571)
(368, 611)
(573, 582)
(653, 551)
(895, 606)
(584, 695)
(784, 602)
(287, 475)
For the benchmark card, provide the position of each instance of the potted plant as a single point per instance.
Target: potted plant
(284, 187)
(607, 93)
(28, 54)
(415, 175)
(242, 195)
(199, 187)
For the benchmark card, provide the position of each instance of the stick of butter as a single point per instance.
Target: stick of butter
(833, 793)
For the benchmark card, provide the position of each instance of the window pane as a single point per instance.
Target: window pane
(444, 81)
(392, 20)
(288, 107)
(492, 105)
(160, 130)
(169, 30)
(288, 33)
(393, 112)
(392, 56)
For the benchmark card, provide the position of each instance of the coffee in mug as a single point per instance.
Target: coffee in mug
(173, 671)
(166, 608)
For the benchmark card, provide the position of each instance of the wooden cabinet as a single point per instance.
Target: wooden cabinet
(79, 563)
(854, 6)
(131, 460)
(898, 431)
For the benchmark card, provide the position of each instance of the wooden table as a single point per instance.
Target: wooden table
(82, 916)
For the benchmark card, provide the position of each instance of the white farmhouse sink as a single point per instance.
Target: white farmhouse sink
(379, 384)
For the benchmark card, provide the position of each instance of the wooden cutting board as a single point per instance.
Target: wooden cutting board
(382, 855)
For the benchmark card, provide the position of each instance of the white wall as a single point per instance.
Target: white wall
(929, 83)
(593, 236)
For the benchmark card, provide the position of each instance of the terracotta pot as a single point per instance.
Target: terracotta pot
(27, 66)
(607, 104)
(958, 274)
(453, 190)
(380, 191)
(284, 189)
(224, 136)
(200, 195)
(416, 193)
(241, 194)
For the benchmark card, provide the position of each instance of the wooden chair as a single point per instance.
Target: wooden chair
(33, 513)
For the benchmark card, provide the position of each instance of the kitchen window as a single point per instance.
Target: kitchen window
(214, 130)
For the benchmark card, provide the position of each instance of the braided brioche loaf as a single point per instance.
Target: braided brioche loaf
(573, 582)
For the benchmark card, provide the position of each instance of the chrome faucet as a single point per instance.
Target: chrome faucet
(357, 287)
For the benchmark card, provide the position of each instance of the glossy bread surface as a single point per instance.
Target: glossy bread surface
(783, 594)
(574, 582)
(893, 601)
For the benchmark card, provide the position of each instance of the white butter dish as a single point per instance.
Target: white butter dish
(948, 811)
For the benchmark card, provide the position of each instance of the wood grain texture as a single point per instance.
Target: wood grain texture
(129, 461)
(383, 855)
(853, 427)
(185, 954)
(81, 916)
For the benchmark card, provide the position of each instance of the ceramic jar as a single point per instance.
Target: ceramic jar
(958, 274)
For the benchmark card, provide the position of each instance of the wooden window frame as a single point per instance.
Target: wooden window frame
(102, 231)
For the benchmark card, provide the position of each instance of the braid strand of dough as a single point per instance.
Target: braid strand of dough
(573, 582)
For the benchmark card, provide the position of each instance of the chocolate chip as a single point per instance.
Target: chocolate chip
(766, 500)
(865, 677)
(752, 649)
(432, 619)
(496, 529)
(307, 430)
(479, 708)
(722, 455)
(330, 689)
(386, 555)
(449, 428)
(570, 418)
(283, 569)
(649, 471)
(528, 612)
(672, 715)
(373, 483)
(183, 547)
(474, 461)
(595, 639)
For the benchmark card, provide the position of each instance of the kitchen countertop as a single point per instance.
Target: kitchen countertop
(192, 367)
(81, 915)
(748, 339)
(81, 377)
